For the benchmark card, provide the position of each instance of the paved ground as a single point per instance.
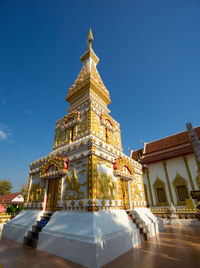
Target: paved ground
(175, 248)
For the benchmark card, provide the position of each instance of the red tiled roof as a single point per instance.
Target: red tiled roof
(9, 197)
(171, 141)
(136, 154)
(169, 147)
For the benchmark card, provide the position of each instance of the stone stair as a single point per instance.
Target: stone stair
(144, 233)
(32, 238)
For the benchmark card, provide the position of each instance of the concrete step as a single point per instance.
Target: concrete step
(36, 228)
(32, 242)
(32, 238)
(33, 234)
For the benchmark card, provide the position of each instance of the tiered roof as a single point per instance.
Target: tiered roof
(89, 77)
(169, 147)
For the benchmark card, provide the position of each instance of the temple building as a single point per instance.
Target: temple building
(170, 169)
(86, 183)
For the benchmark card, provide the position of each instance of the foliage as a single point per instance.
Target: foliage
(5, 187)
(14, 209)
(20, 207)
(11, 209)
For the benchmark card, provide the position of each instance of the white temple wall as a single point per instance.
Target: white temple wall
(193, 169)
(174, 166)
(156, 170)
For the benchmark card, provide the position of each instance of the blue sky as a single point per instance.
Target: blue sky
(149, 61)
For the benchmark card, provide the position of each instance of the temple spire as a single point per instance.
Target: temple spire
(90, 38)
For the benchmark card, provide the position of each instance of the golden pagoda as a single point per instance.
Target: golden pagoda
(86, 182)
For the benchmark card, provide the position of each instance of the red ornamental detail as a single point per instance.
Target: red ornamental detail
(73, 115)
(65, 164)
(59, 162)
(122, 162)
(114, 165)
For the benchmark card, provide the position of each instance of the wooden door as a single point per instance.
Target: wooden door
(125, 192)
(52, 194)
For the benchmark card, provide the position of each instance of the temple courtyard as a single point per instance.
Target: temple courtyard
(176, 247)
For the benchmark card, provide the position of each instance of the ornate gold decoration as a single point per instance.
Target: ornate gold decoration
(123, 162)
(74, 115)
(73, 188)
(59, 162)
(198, 181)
(159, 184)
(81, 203)
(180, 181)
(83, 75)
(120, 190)
(37, 192)
(125, 194)
(103, 202)
(92, 176)
(90, 202)
(27, 190)
(188, 172)
(54, 193)
(81, 171)
(90, 38)
(137, 194)
(108, 118)
(146, 194)
(149, 184)
(168, 181)
(106, 187)
(88, 79)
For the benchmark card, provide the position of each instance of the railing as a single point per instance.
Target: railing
(4, 217)
(182, 213)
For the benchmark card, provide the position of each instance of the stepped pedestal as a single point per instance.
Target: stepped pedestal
(18, 228)
(90, 239)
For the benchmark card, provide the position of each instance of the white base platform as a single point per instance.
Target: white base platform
(18, 227)
(154, 224)
(181, 222)
(90, 239)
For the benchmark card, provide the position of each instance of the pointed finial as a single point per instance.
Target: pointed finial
(90, 38)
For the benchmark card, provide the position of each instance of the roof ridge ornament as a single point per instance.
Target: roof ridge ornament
(90, 38)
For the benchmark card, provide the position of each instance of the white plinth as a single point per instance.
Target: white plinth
(89, 238)
(154, 224)
(18, 227)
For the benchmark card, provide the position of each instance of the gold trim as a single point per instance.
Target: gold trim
(150, 190)
(198, 180)
(160, 184)
(27, 190)
(146, 193)
(92, 176)
(168, 181)
(188, 172)
(123, 162)
(180, 181)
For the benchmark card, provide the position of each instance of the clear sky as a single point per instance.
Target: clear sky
(149, 61)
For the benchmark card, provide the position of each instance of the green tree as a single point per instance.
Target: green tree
(5, 187)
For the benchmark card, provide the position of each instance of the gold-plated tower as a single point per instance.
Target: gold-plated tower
(90, 38)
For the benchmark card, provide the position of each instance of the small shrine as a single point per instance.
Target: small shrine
(86, 183)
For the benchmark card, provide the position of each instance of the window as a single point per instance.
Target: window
(181, 189)
(161, 195)
(160, 192)
(182, 193)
